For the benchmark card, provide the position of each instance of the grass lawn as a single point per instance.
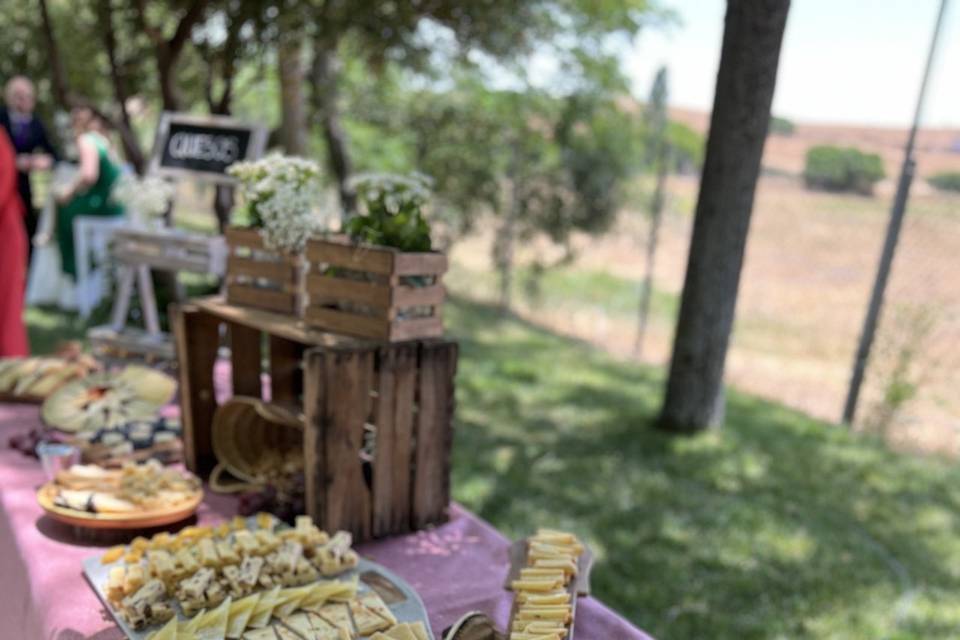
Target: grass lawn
(567, 289)
(778, 526)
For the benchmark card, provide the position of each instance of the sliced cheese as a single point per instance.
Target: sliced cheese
(167, 632)
(419, 630)
(240, 614)
(264, 609)
(336, 614)
(213, 625)
(401, 632)
(321, 592)
(300, 622)
(290, 600)
(371, 600)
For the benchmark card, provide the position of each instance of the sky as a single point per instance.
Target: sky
(843, 61)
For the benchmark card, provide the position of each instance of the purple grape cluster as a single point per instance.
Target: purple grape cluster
(284, 498)
(26, 443)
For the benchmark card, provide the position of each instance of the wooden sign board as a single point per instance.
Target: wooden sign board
(202, 147)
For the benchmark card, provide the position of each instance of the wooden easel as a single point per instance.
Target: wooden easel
(186, 147)
(136, 252)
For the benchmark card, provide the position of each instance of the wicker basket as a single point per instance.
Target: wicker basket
(253, 440)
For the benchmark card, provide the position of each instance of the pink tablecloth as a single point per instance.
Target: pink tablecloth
(456, 568)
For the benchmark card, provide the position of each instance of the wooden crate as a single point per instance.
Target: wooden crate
(374, 292)
(262, 278)
(378, 416)
(379, 429)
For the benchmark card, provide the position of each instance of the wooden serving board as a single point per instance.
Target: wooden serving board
(579, 586)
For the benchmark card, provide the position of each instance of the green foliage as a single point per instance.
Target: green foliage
(896, 364)
(842, 169)
(598, 152)
(393, 211)
(458, 139)
(686, 147)
(946, 180)
(781, 126)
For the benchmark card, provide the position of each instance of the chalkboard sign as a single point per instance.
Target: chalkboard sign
(203, 147)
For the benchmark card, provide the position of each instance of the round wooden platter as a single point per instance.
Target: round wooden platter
(134, 520)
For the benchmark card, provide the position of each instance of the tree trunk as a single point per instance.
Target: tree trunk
(503, 245)
(167, 51)
(169, 97)
(656, 215)
(324, 74)
(57, 75)
(223, 194)
(131, 146)
(752, 36)
(293, 127)
(503, 256)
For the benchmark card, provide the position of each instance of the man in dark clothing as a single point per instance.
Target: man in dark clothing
(28, 136)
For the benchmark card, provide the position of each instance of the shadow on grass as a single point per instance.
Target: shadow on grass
(776, 526)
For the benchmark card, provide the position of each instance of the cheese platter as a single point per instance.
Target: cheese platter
(548, 572)
(177, 586)
(137, 496)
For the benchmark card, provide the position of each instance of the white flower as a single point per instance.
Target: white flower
(148, 196)
(282, 191)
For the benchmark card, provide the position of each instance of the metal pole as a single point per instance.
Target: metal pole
(890, 243)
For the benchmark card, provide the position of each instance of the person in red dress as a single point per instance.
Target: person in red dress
(13, 256)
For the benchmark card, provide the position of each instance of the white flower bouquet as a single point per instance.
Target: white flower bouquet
(148, 196)
(281, 193)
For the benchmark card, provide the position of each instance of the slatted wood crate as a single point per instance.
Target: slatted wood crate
(374, 292)
(378, 416)
(378, 436)
(260, 277)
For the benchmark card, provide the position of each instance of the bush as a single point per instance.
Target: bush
(842, 169)
(946, 181)
(781, 126)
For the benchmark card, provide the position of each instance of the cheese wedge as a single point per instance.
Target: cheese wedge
(189, 627)
(419, 630)
(213, 625)
(284, 633)
(300, 622)
(167, 632)
(336, 614)
(400, 632)
(321, 592)
(264, 609)
(290, 600)
(366, 621)
(371, 600)
(240, 614)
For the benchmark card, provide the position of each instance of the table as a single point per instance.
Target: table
(457, 567)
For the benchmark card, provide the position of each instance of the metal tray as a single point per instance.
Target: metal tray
(403, 601)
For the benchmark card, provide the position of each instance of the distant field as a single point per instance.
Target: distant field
(810, 262)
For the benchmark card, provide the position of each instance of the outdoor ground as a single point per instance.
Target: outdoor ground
(777, 526)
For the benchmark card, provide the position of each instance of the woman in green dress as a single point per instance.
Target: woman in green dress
(89, 193)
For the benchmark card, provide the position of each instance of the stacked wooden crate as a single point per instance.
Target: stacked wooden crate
(260, 277)
(374, 292)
